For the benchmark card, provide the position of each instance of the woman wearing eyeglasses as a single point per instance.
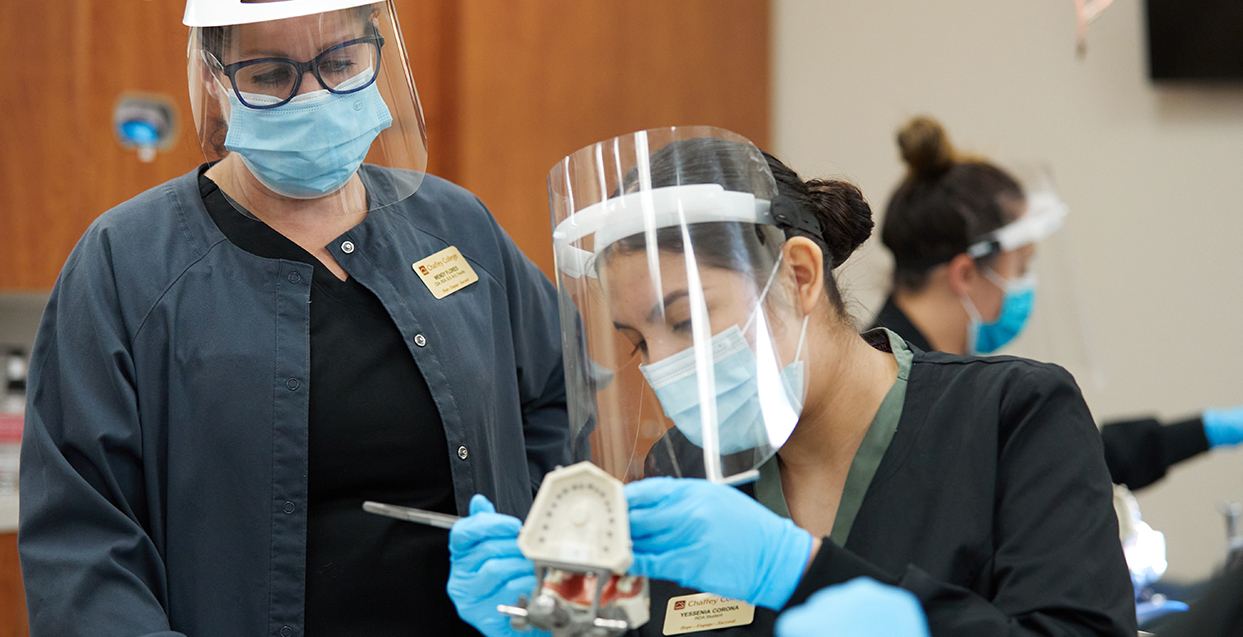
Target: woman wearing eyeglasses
(233, 361)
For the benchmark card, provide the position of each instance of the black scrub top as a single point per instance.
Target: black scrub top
(374, 433)
(991, 504)
(1138, 452)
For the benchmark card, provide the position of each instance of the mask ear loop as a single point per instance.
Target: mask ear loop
(967, 304)
(972, 312)
(802, 335)
(772, 276)
(976, 319)
(996, 279)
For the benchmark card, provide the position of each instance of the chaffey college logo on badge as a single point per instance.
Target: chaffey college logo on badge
(679, 605)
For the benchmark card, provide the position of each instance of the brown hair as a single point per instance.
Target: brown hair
(945, 203)
(843, 213)
(839, 206)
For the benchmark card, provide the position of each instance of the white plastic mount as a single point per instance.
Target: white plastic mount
(579, 520)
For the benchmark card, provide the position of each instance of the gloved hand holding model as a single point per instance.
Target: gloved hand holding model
(1223, 427)
(682, 527)
(487, 569)
(861, 607)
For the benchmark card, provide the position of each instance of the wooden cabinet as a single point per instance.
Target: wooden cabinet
(508, 88)
(12, 599)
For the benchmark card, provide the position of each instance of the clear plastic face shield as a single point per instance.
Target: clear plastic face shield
(682, 336)
(1058, 329)
(306, 100)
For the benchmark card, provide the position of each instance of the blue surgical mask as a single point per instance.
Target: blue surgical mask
(1016, 309)
(740, 425)
(311, 146)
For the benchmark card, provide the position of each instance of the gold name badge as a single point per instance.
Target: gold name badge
(445, 272)
(705, 611)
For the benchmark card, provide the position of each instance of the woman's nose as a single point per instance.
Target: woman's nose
(309, 84)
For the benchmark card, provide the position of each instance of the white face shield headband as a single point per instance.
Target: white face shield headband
(645, 212)
(1045, 215)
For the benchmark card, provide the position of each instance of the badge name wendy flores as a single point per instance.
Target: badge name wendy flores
(705, 611)
(445, 272)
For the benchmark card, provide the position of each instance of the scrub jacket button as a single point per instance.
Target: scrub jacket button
(292, 384)
(286, 631)
(347, 247)
(289, 508)
(294, 277)
(462, 452)
(420, 340)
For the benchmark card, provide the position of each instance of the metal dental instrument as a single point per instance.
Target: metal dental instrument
(410, 514)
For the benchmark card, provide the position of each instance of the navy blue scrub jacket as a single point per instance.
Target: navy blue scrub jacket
(164, 464)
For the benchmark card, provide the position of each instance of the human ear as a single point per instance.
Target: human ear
(961, 274)
(806, 260)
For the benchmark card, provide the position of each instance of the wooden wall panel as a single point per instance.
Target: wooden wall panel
(540, 79)
(12, 598)
(60, 166)
(430, 29)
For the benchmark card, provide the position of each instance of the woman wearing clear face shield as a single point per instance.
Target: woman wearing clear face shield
(715, 351)
(232, 362)
(963, 233)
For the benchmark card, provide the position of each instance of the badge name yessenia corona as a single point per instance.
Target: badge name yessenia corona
(445, 272)
(705, 611)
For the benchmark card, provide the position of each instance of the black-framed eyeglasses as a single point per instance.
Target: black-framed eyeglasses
(280, 78)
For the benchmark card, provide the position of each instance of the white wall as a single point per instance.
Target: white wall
(1153, 175)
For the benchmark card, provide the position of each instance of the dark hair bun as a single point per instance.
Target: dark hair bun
(844, 214)
(925, 147)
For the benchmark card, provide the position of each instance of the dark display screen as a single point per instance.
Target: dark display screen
(1195, 39)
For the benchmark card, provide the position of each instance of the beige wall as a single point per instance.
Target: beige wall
(1153, 175)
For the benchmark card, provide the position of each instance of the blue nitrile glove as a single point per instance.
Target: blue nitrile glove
(1223, 427)
(1150, 610)
(486, 568)
(715, 539)
(861, 607)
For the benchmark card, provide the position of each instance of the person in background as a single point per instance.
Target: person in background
(949, 477)
(232, 362)
(958, 290)
(1217, 613)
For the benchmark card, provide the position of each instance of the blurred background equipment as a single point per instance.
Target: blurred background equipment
(1085, 12)
(146, 123)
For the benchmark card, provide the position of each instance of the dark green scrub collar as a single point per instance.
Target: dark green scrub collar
(871, 450)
